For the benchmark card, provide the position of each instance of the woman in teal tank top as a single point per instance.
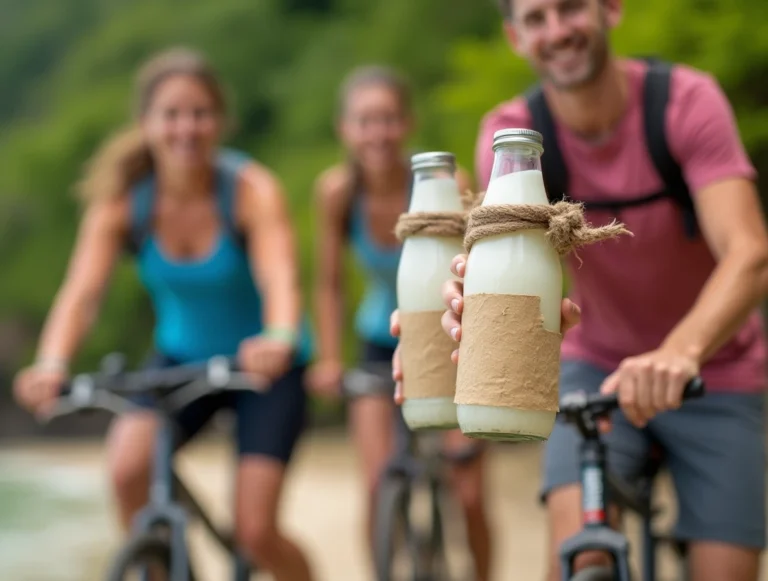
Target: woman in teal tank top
(214, 247)
(358, 206)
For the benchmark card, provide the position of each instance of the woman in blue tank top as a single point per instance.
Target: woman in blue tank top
(358, 206)
(214, 247)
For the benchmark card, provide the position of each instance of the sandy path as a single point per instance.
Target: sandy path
(322, 506)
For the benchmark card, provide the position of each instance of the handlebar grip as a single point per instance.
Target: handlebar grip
(693, 389)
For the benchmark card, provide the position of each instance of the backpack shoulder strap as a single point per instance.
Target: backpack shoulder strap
(228, 165)
(142, 197)
(553, 165)
(655, 99)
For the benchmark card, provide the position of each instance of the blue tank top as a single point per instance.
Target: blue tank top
(380, 266)
(207, 306)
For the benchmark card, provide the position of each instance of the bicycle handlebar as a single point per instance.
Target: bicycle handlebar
(176, 386)
(583, 409)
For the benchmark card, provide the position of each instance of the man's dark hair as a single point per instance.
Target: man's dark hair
(506, 8)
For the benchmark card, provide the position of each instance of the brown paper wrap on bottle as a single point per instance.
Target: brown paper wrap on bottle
(506, 357)
(425, 353)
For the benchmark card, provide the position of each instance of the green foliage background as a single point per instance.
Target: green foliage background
(66, 69)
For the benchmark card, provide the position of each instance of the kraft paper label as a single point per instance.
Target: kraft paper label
(425, 351)
(506, 357)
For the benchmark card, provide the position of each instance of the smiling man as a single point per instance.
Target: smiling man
(655, 146)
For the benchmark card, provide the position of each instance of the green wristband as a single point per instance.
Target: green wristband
(282, 334)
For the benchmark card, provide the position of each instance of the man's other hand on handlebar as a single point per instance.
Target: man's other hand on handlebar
(647, 384)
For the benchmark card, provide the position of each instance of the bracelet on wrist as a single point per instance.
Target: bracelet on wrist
(52, 365)
(281, 334)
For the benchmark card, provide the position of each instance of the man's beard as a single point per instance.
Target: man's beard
(597, 61)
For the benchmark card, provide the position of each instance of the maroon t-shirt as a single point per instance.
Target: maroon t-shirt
(634, 290)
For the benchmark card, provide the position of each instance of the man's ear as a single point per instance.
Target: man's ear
(512, 37)
(614, 12)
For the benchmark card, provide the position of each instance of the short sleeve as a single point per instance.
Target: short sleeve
(704, 136)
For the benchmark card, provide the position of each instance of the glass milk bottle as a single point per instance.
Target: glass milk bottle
(518, 263)
(423, 269)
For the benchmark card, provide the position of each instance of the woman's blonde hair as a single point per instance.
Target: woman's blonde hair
(125, 157)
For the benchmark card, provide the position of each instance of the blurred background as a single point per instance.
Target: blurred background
(66, 72)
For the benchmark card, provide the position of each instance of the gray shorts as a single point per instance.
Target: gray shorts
(714, 449)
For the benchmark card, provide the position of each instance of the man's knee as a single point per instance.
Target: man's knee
(712, 561)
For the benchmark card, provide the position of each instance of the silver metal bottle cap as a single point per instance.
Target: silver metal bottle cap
(433, 159)
(521, 136)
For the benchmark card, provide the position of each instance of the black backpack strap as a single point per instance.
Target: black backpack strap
(655, 100)
(553, 165)
(142, 197)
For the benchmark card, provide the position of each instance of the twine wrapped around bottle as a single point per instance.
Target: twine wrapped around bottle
(442, 224)
(507, 358)
(564, 222)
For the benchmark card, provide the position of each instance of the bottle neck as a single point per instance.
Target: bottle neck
(515, 158)
(516, 177)
(435, 190)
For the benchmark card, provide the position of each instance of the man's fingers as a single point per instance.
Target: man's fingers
(394, 323)
(451, 325)
(453, 292)
(459, 265)
(397, 370)
(628, 398)
(570, 315)
(399, 393)
(644, 385)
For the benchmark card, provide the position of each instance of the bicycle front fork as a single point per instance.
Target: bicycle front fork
(597, 535)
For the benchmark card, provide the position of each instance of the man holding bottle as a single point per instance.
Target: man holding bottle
(659, 150)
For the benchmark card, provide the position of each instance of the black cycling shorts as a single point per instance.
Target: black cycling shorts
(267, 424)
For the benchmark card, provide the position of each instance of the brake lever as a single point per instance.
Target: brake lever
(198, 388)
(84, 396)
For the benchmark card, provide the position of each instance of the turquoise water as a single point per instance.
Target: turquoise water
(54, 520)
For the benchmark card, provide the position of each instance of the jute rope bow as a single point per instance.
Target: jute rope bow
(564, 222)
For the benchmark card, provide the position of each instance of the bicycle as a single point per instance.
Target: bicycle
(416, 469)
(599, 486)
(158, 538)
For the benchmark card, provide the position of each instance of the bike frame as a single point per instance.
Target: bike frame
(170, 507)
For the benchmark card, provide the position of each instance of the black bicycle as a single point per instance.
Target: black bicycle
(599, 487)
(414, 512)
(158, 542)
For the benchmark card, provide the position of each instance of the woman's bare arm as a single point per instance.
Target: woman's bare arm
(77, 303)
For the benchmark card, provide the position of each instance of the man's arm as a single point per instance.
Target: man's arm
(704, 136)
(732, 222)
(705, 140)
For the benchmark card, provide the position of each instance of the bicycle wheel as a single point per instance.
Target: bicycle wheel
(594, 574)
(140, 553)
(394, 554)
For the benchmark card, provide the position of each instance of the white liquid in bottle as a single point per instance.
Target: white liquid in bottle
(424, 267)
(520, 263)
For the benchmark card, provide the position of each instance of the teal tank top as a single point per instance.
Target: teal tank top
(380, 267)
(203, 307)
